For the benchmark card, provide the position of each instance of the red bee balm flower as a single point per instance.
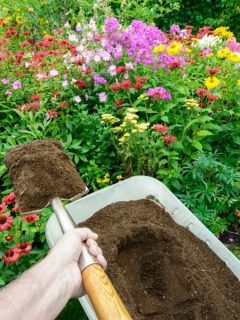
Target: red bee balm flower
(118, 103)
(23, 248)
(169, 139)
(3, 207)
(10, 256)
(31, 218)
(161, 128)
(5, 221)
(125, 85)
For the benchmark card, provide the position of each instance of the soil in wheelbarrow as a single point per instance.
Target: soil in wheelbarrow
(160, 269)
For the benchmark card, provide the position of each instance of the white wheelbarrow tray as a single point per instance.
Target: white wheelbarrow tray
(135, 188)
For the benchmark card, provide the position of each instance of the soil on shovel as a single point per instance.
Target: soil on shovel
(41, 170)
(160, 269)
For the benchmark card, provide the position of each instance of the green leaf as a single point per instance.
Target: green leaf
(204, 133)
(165, 119)
(196, 144)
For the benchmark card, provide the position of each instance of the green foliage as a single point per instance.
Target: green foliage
(211, 189)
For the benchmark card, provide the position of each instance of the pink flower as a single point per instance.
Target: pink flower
(112, 70)
(17, 85)
(158, 93)
(169, 139)
(9, 199)
(65, 84)
(5, 81)
(8, 93)
(161, 128)
(31, 218)
(6, 221)
(51, 114)
(10, 256)
(102, 96)
(23, 248)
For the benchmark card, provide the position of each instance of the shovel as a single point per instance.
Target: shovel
(42, 174)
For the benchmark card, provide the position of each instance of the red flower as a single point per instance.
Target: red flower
(201, 104)
(212, 98)
(15, 209)
(9, 199)
(125, 85)
(118, 103)
(87, 70)
(63, 104)
(114, 87)
(31, 218)
(23, 248)
(35, 97)
(51, 114)
(10, 256)
(169, 139)
(81, 84)
(213, 71)
(202, 92)
(121, 69)
(161, 128)
(6, 221)
(56, 94)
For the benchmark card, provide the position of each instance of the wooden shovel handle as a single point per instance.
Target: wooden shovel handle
(105, 300)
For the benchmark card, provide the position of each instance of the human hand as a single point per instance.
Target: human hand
(66, 254)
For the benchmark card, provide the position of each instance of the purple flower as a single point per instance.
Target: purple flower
(8, 93)
(111, 24)
(5, 81)
(102, 96)
(175, 29)
(205, 52)
(158, 93)
(17, 85)
(99, 80)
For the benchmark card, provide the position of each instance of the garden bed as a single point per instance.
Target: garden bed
(160, 269)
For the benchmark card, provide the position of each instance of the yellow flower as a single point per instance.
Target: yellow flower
(99, 180)
(106, 180)
(211, 82)
(130, 116)
(223, 32)
(117, 129)
(121, 140)
(174, 48)
(132, 110)
(159, 48)
(188, 50)
(107, 117)
(7, 20)
(19, 19)
(141, 127)
(142, 96)
(191, 103)
(223, 53)
(119, 177)
(238, 83)
(234, 57)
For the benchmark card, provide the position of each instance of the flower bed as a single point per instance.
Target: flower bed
(123, 100)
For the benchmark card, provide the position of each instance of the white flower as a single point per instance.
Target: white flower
(78, 27)
(207, 42)
(53, 73)
(112, 70)
(77, 99)
(73, 38)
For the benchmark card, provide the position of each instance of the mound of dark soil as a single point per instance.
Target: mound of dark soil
(41, 170)
(160, 269)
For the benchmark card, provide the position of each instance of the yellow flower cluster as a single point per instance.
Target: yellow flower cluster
(174, 48)
(159, 48)
(105, 179)
(234, 57)
(211, 82)
(223, 32)
(191, 103)
(6, 21)
(223, 53)
(130, 126)
(107, 117)
(143, 96)
(238, 83)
